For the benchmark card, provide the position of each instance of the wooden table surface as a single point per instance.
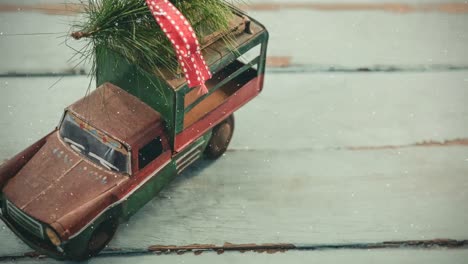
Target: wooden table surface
(359, 138)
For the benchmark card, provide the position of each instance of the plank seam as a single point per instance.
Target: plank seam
(197, 249)
(277, 70)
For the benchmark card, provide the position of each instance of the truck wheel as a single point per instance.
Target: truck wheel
(220, 138)
(99, 239)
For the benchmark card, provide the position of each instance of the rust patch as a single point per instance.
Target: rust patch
(278, 61)
(50, 9)
(198, 249)
(453, 142)
(447, 243)
(32, 254)
(426, 143)
(451, 8)
(259, 248)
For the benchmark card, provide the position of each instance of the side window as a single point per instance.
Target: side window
(149, 152)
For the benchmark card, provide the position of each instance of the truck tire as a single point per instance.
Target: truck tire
(220, 138)
(99, 239)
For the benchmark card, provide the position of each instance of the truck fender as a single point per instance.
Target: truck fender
(90, 214)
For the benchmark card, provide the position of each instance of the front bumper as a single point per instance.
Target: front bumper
(73, 249)
(34, 242)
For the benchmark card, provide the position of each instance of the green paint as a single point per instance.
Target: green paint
(162, 178)
(114, 68)
(148, 191)
(179, 109)
(157, 93)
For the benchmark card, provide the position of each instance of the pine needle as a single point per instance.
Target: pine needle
(128, 28)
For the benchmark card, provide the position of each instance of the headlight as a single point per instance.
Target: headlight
(53, 237)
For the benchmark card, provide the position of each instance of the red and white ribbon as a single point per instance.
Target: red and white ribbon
(179, 31)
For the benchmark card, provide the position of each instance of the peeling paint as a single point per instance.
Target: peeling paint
(50, 9)
(427, 143)
(278, 61)
(460, 142)
(197, 249)
(272, 248)
(447, 243)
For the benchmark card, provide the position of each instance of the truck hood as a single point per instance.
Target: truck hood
(57, 181)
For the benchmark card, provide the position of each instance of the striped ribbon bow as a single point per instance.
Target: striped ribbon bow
(185, 42)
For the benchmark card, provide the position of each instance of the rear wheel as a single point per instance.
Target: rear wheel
(220, 138)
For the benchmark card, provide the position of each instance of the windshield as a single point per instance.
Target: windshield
(94, 144)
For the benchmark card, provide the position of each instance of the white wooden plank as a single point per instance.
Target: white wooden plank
(37, 53)
(10, 245)
(338, 110)
(341, 256)
(298, 111)
(313, 194)
(31, 107)
(315, 197)
(293, 187)
(356, 39)
(310, 197)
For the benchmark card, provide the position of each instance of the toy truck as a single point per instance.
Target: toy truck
(116, 148)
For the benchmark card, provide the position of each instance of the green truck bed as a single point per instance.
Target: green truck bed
(231, 64)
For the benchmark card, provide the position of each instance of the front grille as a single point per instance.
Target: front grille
(25, 221)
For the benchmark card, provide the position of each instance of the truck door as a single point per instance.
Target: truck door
(154, 170)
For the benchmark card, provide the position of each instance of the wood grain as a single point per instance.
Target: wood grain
(278, 188)
(327, 111)
(403, 256)
(320, 40)
(318, 158)
(343, 110)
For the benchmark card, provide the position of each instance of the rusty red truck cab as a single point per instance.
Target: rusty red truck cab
(116, 148)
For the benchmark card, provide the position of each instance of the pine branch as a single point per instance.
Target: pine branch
(128, 28)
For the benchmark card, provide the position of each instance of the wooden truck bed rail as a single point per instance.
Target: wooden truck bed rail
(221, 86)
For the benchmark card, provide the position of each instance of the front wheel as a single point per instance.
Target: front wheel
(220, 138)
(99, 239)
